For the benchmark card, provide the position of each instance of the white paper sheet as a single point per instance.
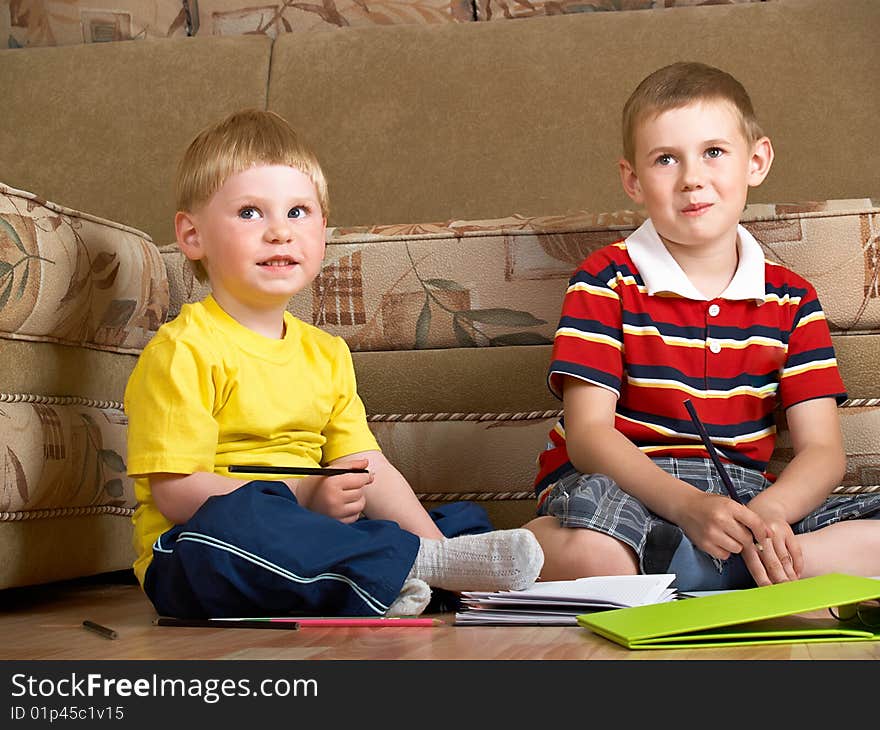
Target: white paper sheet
(559, 602)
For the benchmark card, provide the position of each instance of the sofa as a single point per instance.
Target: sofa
(471, 167)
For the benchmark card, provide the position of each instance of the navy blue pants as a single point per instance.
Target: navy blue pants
(257, 552)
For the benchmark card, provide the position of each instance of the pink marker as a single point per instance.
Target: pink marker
(368, 621)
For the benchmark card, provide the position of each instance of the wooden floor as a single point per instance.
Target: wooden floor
(46, 623)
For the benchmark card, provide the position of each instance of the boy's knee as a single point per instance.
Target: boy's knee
(571, 552)
(596, 553)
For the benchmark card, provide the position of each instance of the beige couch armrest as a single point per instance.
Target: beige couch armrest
(80, 296)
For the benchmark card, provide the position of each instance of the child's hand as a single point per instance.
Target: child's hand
(780, 558)
(720, 526)
(341, 497)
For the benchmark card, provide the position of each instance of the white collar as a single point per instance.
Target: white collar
(661, 272)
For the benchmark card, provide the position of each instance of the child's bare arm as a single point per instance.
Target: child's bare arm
(390, 497)
(817, 467)
(716, 524)
(818, 464)
(179, 496)
(383, 493)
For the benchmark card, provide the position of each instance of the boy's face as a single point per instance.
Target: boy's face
(260, 237)
(693, 168)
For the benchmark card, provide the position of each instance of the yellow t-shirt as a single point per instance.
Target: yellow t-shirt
(207, 392)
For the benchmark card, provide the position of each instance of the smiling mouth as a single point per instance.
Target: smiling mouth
(280, 262)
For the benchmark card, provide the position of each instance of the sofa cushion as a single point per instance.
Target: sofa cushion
(63, 456)
(72, 278)
(501, 282)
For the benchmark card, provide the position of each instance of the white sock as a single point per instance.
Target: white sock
(490, 561)
(414, 597)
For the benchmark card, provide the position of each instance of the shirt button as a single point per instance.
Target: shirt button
(714, 347)
(713, 310)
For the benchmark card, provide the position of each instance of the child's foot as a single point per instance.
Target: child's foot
(660, 545)
(414, 597)
(668, 550)
(489, 561)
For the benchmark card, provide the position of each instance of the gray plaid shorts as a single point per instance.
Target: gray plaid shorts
(595, 502)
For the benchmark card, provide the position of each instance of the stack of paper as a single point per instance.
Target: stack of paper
(558, 603)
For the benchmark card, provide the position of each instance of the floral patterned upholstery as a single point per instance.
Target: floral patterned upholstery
(450, 323)
(28, 23)
(76, 292)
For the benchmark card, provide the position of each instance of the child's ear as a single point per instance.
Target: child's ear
(760, 162)
(630, 181)
(188, 236)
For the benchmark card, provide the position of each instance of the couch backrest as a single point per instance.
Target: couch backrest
(485, 120)
(100, 127)
(428, 123)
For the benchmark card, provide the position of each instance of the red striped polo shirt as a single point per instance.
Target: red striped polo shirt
(633, 323)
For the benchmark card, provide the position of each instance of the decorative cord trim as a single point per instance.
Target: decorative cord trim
(860, 403)
(857, 489)
(474, 496)
(374, 418)
(420, 417)
(59, 400)
(531, 415)
(42, 514)
(529, 496)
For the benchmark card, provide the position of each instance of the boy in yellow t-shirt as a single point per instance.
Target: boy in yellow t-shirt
(236, 379)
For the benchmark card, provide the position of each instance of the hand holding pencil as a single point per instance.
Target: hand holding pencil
(745, 518)
(339, 495)
(781, 560)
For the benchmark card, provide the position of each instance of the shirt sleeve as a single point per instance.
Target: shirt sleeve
(347, 431)
(169, 402)
(588, 343)
(810, 369)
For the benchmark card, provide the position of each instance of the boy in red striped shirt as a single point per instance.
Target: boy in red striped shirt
(687, 307)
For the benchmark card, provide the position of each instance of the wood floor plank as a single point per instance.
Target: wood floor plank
(46, 623)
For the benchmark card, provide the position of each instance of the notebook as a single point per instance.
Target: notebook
(763, 615)
(558, 603)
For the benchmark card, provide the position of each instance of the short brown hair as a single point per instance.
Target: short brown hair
(236, 143)
(678, 85)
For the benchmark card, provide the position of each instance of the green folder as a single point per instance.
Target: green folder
(763, 615)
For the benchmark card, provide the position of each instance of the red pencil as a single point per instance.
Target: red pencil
(387, 621)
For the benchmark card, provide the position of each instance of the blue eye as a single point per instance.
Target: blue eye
(297, 211)
(249, 213)
(714, 152)
(665, 160)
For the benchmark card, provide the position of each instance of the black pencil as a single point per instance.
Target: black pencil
(713, 454)
(100, 630)
(302, 471)
(291, 625)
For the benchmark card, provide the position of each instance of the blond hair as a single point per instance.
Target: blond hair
(678, 85)
(236, 143)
